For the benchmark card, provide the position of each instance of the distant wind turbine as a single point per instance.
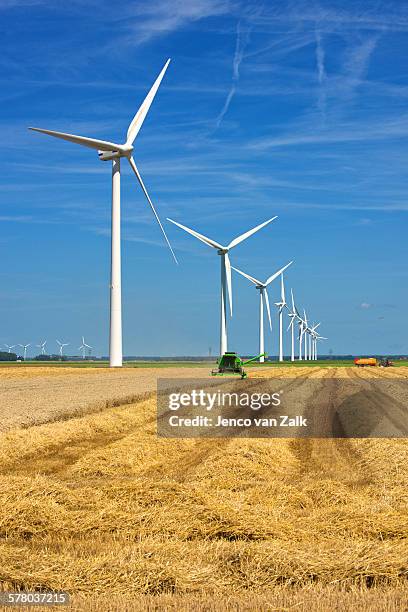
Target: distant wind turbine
(25, 347)
(42, 347)
(318, 337)
(111, 151)
(281, 305)
(302, 329)
(311, 341)
(83, 347)
(293, 315)
(11, 346)
(61, 347)
(223, 251)
(263, 295)
(306, 332)
(313, 335)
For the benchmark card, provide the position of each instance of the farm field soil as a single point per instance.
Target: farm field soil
(34, 395)
(99, 506)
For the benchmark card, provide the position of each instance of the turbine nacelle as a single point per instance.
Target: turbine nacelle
(110, 155)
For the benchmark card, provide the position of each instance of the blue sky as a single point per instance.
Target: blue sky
(297, 109)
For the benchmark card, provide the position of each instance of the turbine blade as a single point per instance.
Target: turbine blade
(92, 143)
(271, 278)
(201, 237)
(243, 237)
(228, 275)
(140, 116)
(139, 178)
(293, 301)
(268, 309)
(283, 298)
(251, 278)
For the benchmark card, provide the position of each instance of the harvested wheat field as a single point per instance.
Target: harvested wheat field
(99, 506)
(34, 395)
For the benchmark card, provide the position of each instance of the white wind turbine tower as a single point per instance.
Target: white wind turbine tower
(293, 315)
(313, 335)
(61, 347)
(83, 347)
(318, 337)
(110, 151)
(25, 347)
(306, 332)
(281, 305)
(302, 329)
(309, 331)
(11, 346)
(42, 347)
(263, 295)
(225, 272)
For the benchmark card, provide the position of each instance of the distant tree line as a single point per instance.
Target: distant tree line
(50, 358)
(6, 356)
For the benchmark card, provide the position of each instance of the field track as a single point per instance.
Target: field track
(98, 504)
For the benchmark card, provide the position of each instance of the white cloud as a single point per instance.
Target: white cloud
(163, 17)
(356, 66)
(240, 46)
(342, 132)
(321, 73)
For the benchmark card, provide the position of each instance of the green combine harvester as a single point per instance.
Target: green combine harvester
(230, 364)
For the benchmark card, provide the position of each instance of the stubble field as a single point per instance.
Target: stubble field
(95, 503)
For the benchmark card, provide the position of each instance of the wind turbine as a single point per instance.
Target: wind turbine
(293, 315)
(42, 347)
(263, 295)
(302, 329)
(25, 347)
(110, 151)
(281, 305)
(83, 347)
(225, 272)
(11, 346)
(306, 331)
(318, 337)
(61, 347)
(308, 339)
(313, 335)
